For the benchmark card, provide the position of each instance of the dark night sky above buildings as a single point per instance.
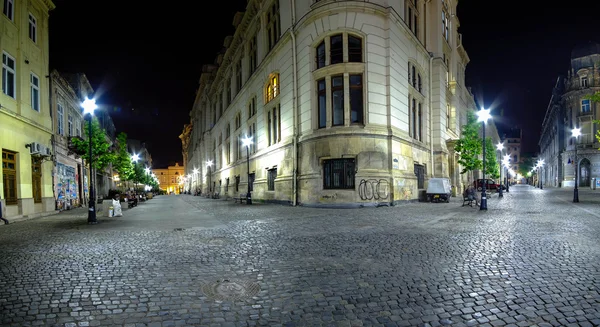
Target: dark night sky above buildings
(145, 64)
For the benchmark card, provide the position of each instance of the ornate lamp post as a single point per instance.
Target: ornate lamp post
(209, 163)
(247, 141)
(576, 132)
(500, 147)
(483, 115)
(89, 105)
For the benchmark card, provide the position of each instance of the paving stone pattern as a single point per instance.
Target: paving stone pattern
(533, 259)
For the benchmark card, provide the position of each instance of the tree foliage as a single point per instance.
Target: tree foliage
(122, 163)
(492, 168)
(596, 98)
(102, 154)
(526, 165)
(469, 145)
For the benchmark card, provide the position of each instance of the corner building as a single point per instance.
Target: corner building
(346, 102)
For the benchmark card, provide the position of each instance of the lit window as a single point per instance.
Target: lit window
(272, 88)
(8, 75)
(8, 9)
(32, 28)
(35, 92)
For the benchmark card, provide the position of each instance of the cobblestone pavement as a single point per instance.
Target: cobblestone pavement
(533, 259)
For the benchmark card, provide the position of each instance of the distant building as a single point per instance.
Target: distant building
(569, 109)
(171, 178)
(345, 102)
(25, 116)
(512, 147)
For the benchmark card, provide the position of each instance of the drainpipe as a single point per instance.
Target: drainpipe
(294, 108)
(431, 115)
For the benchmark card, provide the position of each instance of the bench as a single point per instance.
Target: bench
(241, 198)
(469, 197)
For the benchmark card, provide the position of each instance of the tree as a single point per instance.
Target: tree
(492, 168)
(122, 163)
(526, 165)
(596, 98)
(469, 145)
(101, 147)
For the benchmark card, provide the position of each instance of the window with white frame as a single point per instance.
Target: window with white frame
(78, 128)
(445, 21)
(274, 124)
(340, 89)
(273, 26)
(583, 81)
(414, 77)
(35, 91)
(32, 28)
(415, 118)
(252, 136)
(9, 9)
(412, 17)
(70, 124)
(252, 56)
(60, 119)
(271, 176)
(585, 105)
(9, 72)
(252, 107)
(272, 88)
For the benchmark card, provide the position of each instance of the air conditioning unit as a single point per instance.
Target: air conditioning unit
(35, 148)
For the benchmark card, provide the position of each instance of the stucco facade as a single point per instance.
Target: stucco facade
(568, 109)
(170, 179)
(345, 103)
(25, 112)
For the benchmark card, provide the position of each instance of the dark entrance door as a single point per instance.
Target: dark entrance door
(584, 173)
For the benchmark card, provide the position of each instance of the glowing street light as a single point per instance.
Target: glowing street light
(89, 105)
(500, 147)
(483, 115)
(135, 157)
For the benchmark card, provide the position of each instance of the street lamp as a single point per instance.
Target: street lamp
(89, 105)
(500, 147)
(576, 132)
(483, 115)
(247, 141)
(135, 157)
(208, 165)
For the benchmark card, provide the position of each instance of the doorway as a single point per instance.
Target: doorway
(584, 173)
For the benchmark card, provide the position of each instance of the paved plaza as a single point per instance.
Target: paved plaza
(532, 259)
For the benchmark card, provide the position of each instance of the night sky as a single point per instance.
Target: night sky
(145, 64)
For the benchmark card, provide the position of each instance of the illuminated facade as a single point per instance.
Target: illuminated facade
(25, 119)
(170, 178)
(346, 102)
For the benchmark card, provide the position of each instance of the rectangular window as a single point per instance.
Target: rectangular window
(228, 152)
(338, 174)
(273, 25)
(9, 176)
(227, 93)
(420, 173)
(8, 75)
(585, 105)
(237, 183)
(321, 55)
(253, 56)
(238, 76)
(273, 125)
(253, 136)
(35, 91)
(584, 81)
(70, 124)
(78, 128)
(60, 117)
(337, 99)
(239, 146)
(32, 28)
(356, 99)
(36, 179)
(410, 124)
(414, 118)
(420, 121)
(252, 108)
(271, 175)
(336, 49)
(8, 9)
(354, 49)
(322, 104)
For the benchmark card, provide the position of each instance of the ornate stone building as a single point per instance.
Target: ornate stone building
(345, 102)
(568, 109)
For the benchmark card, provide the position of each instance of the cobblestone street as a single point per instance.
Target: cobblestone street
(533, 259)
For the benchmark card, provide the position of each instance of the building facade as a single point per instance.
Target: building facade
(512, 147)
(70, 175)
(170, 179)
(570, 108)
(26, 126)
(344, 102)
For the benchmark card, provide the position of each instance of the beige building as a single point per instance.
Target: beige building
(70, 171)
(171, 178)
(25, 121)
(346, 102)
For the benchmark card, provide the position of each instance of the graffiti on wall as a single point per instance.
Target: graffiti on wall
(374, 189)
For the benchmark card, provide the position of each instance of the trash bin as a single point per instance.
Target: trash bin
(593, 183)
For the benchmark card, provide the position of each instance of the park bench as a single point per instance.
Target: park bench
(241, 198)
(469, 197)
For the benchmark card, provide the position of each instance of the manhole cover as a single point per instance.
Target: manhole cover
(179, 229)
(230, 289)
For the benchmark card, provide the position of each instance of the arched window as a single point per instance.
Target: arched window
(272, 88)
(339, 48)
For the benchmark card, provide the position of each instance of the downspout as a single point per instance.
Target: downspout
(431, 115)
(294, 108)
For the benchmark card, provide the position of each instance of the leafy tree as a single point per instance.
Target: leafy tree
(122, 163)
(469, 145)
(492, 168)
(596, 98)
(526, 165)
(101, 147)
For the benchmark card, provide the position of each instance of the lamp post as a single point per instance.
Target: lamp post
(500, 147)
(575, 133)
(247, 141)
(483, 115)
(541, 165)
(208, 165)
(135, 157)
(89, 105)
